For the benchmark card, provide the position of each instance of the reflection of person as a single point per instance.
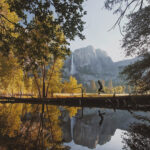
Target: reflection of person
(100, 87)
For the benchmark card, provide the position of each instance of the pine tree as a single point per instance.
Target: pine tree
(110, 86)
(93, 86)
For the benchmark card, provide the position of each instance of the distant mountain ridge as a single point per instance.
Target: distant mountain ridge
(89, 63)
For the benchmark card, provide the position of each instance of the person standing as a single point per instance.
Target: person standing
(100, 87)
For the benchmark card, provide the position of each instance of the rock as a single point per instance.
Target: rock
(92, 64)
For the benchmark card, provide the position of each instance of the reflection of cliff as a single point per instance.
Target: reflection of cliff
(66, 126)
(87, 132)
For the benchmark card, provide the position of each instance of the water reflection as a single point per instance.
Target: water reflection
(138, 137)
(101, 116)
(96, 128)
(45, 127)
(30, 127)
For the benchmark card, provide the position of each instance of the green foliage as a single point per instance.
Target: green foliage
(136, 40)
(68, 14)
(42, 44)
(137, 74)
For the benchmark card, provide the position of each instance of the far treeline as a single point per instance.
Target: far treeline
(109, 88)
(35, 36)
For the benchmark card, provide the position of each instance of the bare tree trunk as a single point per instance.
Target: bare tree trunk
(36, 82)
(20, 92)
(44, 75)
(50, 78)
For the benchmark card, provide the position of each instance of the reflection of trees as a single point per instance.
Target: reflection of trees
(30, 127)
(138, 136)
(10, 119)
(72, 110)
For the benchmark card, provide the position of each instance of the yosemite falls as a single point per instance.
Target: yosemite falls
(72, 68)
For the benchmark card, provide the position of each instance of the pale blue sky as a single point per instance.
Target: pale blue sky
(98, 22)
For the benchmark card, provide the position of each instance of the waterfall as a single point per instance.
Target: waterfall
(72, 126)
(72, 69)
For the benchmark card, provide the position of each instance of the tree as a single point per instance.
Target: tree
(118, 89)
(8, 19)
(93, 85)
(28, 84)
(129, 89)
(137, 74)
(124, 7)
(55, 81)
(71, 86)
(110, 86)
(103, 83)
(11, 74)
(68, 14)
(37, 55)
(41, 35)
(136, 40)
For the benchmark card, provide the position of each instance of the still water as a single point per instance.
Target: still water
(47, 127)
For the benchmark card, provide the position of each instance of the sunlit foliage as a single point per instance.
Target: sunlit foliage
(71, 86)
(11, 75)
(31, 126)
(8, 19)
(10, 121)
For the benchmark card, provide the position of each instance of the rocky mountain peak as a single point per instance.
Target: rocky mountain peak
(88, 63)
(90, 50)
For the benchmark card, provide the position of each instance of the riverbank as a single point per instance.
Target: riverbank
(133, 102)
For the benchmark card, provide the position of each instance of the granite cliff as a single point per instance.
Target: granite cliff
(92, 64)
